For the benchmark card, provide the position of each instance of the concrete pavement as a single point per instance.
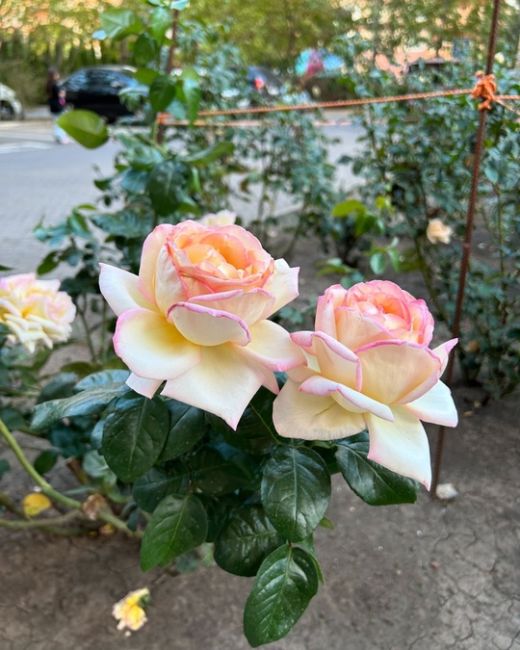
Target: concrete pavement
(40, 179)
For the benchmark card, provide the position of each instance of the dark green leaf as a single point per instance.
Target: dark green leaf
(87, 402)
(118, 23)
(295, 491)
(45, 461)
(187, 427)
(145, 49)
(86, 127)
(286, 582)
(207, 156)
(160, 22)
(134, 435)
(12, 418)
(162, 92)
(191, 92)
(372, 482)
(246, 540)
(255, 431)
(124, 224)
(134, 181)
(177, 525)
(151, 488)
(146, 76)
(164, 186)
(49, 263)
(214, 474)
(105, 378)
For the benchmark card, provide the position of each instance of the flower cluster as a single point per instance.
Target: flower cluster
(35, 311)
(195, 321)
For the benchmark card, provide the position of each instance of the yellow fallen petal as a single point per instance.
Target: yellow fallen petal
(35, 503)
(129, 611)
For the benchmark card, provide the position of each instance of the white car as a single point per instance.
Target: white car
(10, 106)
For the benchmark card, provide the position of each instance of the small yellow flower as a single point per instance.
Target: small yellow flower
(438, 231)
(129, 611)
(35, 503)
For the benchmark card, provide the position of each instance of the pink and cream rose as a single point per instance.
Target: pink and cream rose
(369, 366)
(35, 311)
(196, 316)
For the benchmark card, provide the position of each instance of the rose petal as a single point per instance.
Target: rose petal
(208, 327)
(443, 352)
(121, 289)
(151, 247)
(168, 286)
(325, 310)
(272, 347)
(223, 383)
(146, 387)
(336, 361)
(395, 371)
(251, 306)
(355, 330)
(401, 445)
(151, 347)
(283, 285)
(435, 406)
(310, 417)
(346, 397)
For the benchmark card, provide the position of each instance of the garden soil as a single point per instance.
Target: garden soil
(429, 576)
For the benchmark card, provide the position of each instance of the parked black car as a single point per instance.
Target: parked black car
(97, 89)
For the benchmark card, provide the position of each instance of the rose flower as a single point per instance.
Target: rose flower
(35, 311)
(195, 317)
(368, 365)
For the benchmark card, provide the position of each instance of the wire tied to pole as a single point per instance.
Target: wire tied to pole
(486, 90)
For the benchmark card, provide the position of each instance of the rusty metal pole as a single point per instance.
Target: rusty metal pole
(466, 246)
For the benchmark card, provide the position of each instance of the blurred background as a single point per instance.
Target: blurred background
(289, 38)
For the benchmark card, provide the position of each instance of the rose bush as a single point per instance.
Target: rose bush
(368, 365)
(196, 316)
(202, 465)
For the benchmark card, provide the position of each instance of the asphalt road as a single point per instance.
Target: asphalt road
(40, 179)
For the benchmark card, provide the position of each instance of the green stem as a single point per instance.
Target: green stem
(88, 337)
(39, 523)
(36, 477)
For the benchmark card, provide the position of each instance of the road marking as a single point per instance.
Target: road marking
(18, 147)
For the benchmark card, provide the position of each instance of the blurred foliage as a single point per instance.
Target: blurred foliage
(416, 163)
